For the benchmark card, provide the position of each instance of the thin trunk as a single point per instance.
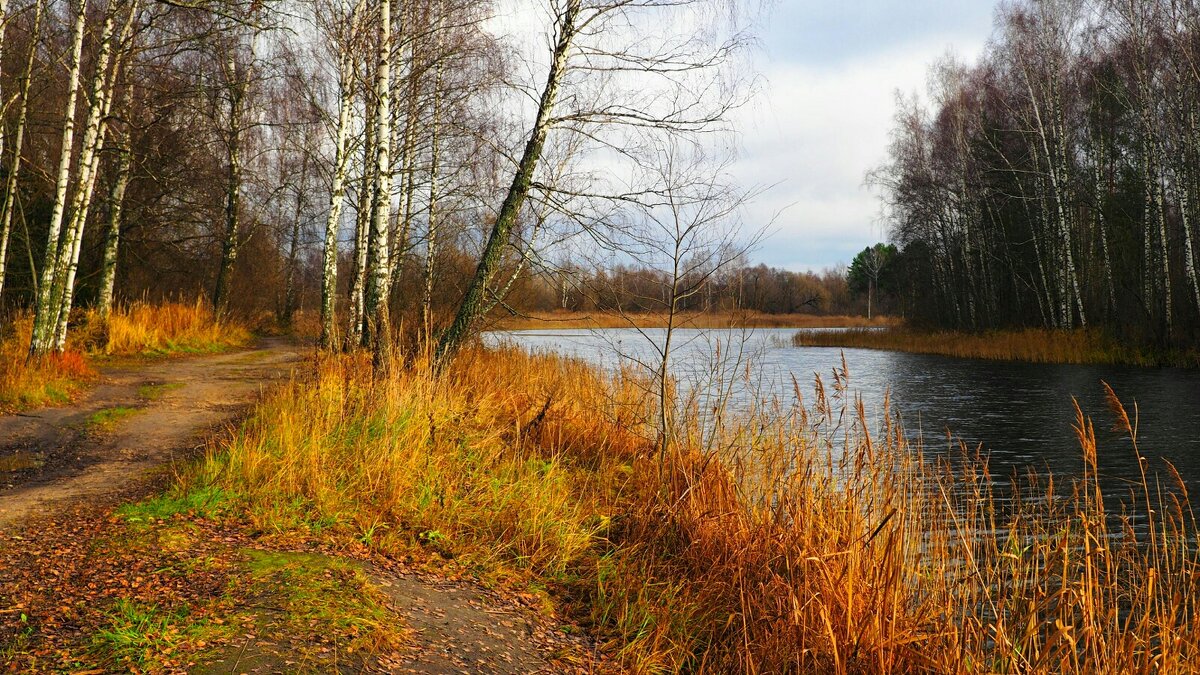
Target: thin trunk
(432, 233)
(289, 282)
(362, 227)
(454, 336)
(116, 200)
(336, 197)
(237, 86)
(46, 312)
(14, 167)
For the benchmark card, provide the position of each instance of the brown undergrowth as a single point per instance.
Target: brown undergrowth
(1032, 345)
(812, 541)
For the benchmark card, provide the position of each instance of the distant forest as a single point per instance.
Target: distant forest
(1056, 182)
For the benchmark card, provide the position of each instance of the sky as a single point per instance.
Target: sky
(823, 114)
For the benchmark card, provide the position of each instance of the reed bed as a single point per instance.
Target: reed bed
(741, 319)
(812, 541)
(1031, 345)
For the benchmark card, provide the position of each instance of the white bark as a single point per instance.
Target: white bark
(46, 312)
(336, 197)
(376, 308)
(116, 199)
(103, 83)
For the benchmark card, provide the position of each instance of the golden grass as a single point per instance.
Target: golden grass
(170, 328)
(814, 542)
(686, 320)
(140, 329)
(1033, 345)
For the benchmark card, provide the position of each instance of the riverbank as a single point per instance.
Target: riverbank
(538, 478)
(1029, 345)
(599, 320)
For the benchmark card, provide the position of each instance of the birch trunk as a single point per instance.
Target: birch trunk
(4, 229)
(14, 167)
(468, 309)
(46, 312)
(432, 233)
(238, 86)
(103, 84)
(116, 200)
(362, 228)
(336, 197)
(376, 306)
(289, 282)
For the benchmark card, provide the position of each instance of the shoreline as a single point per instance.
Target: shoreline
(578, 320)
(1031, 345)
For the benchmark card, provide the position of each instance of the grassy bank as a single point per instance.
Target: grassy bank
(139, 329)
(552, 320)
(1030, 345)
(810, 543)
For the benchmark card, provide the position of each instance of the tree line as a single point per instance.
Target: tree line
(416, 157)
(1056, 182)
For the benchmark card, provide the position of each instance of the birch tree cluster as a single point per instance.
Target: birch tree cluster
(1054, 183)
(378, 162)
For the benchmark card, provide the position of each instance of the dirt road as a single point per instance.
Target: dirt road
(141, 419)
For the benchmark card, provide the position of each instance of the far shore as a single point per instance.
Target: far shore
(578, 320)
(1031, 345)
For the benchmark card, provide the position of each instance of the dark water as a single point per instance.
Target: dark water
(1020, 414)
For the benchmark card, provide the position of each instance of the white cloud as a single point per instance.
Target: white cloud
(816, 130)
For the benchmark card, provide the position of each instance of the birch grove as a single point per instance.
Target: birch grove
(1074, 182)
(383, 165)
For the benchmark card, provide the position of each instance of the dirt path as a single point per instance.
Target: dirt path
(140, 419)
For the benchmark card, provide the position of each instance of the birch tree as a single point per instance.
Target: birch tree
(46, 311)
(375, 308)
(593, 45)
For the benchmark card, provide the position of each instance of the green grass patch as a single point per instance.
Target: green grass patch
(206, 502)
(138, 635)
(107, 419)
(153, 392)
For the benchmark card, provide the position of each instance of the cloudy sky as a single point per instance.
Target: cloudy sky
(832, 68)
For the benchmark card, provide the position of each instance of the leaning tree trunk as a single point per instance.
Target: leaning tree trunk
(14, 168)
(46, 312)
(468, 309)
(376, 306)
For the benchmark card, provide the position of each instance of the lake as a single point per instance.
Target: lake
(1021, 414)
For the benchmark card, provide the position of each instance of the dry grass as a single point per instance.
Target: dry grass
(813, 543)
(1032, 345)
(171, 328)
(689, 320)
(52, 380)
(137, 330)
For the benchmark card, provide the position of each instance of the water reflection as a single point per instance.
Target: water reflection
(1021, 415)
